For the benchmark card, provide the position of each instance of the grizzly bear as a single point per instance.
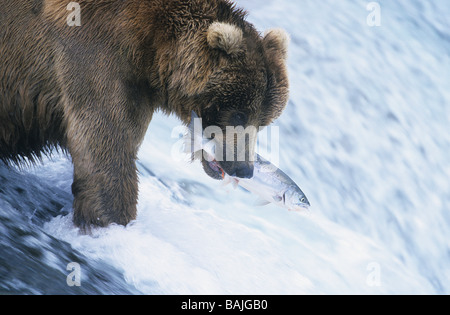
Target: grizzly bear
(91, 87)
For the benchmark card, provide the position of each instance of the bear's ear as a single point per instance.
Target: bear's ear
(276, 41)
(226, 37)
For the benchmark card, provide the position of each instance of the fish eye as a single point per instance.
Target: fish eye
(302, 199)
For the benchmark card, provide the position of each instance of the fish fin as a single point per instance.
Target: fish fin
(229, 180)
(226, 181)
(261, 202)
(277, 198)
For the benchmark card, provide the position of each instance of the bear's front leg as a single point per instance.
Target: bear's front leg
(105, 185)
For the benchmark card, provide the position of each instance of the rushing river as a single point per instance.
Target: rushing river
(366, 135)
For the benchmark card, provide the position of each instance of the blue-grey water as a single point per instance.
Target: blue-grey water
(365, 135)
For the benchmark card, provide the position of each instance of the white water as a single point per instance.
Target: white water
(365, 135)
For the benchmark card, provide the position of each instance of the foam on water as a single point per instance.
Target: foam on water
(365, 135)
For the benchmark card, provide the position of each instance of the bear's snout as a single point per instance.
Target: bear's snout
(244, 170)
(241, 169)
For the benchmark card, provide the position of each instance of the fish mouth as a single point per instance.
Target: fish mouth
(213, 169)
(299, 208)
(304, 206)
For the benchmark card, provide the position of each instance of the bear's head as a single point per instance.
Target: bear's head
(248, 90)
(235, 80)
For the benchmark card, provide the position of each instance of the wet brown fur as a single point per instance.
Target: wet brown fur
(92, 89)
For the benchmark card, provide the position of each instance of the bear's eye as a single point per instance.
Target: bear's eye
(238, 119)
